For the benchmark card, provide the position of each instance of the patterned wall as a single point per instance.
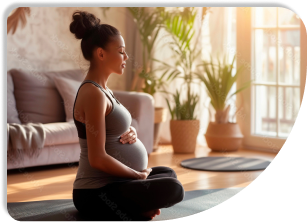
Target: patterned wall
(46, 44)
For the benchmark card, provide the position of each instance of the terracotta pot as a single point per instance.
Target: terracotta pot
(184, 135)
(160, 116)
(223, 136)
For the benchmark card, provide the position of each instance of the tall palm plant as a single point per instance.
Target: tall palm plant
(181, 31)
(149, 24)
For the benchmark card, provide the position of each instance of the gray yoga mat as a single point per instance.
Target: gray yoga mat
(226, 164)
(64, 210)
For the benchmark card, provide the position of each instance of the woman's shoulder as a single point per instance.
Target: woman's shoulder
(90, 93)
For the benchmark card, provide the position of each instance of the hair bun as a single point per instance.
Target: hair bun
(83, 24)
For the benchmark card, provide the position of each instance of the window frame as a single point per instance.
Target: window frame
(244, 58)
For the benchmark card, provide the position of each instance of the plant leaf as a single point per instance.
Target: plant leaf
(170, 109)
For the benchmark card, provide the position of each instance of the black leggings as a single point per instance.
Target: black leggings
(127, 200)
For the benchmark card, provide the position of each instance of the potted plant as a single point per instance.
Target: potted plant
(184, 126)
(221, 135)
(149, 23)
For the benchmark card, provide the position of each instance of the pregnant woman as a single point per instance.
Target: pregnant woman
(112, 181)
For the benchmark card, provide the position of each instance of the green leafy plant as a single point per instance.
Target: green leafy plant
(181, 32)
(179, 25)
(219, 80)
(149, 24)
(104, 10)
(185, 110)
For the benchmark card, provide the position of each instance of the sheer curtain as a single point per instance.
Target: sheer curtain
(217, 36)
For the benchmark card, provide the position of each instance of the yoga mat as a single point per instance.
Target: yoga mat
(64, 210)
(226, 164)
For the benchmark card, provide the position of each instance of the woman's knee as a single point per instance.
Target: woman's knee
(180, 190)
(164, 169)
(173, 173)
(176, 190)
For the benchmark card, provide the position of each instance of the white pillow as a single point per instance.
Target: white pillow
(68, 90)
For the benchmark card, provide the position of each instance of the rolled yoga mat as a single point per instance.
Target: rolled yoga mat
(226, 164)
(64, 210)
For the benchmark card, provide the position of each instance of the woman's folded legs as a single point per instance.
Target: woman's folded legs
(128, 200)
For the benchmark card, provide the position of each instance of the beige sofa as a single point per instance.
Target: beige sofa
(36, 97)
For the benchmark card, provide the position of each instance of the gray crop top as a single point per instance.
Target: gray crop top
(132, 155)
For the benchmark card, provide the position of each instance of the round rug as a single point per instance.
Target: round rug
(214, 163)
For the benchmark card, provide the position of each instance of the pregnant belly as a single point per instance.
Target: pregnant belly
(132, 155)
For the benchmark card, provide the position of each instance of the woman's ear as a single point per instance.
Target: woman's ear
(100, 53)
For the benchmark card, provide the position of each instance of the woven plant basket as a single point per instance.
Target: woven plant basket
(223, 137)
(184, 135)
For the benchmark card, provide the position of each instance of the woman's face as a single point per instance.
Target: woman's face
(116, 55)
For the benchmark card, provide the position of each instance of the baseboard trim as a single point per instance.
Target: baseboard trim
(165, 143)
(263, 149)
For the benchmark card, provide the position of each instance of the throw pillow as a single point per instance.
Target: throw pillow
(37, 98)
(68, 90)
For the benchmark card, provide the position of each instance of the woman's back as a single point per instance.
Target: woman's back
(117, 121)
(84, 99)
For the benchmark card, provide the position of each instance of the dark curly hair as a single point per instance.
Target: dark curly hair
(87, 27)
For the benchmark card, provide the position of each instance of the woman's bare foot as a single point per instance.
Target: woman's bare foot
(152, 213)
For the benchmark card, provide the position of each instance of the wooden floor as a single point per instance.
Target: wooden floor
(56, 181)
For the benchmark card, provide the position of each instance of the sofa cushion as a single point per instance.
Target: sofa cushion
(68, 90)
(60, 133)
(134, 123)
(37, 98)
(66, 132)
(12, 114)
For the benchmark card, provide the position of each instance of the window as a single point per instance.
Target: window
(276, 65)
(269, 40)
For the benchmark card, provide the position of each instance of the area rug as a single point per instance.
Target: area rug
(64, 210)
(227, 164)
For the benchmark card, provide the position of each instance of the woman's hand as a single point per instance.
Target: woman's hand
(144, 174)
(129, 136)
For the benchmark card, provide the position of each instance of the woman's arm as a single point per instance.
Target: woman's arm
(112, 166)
